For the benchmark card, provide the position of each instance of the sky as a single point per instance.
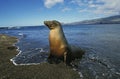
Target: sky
(35, 12)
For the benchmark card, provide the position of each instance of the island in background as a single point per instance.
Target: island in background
(107, 20)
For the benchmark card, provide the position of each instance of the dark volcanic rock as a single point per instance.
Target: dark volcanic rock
(11, 47)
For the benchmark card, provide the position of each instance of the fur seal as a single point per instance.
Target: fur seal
(59, 47)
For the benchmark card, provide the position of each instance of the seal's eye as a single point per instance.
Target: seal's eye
(51, 26)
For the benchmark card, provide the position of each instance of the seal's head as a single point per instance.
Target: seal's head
(52, 24)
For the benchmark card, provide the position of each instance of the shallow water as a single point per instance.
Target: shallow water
(101, 43)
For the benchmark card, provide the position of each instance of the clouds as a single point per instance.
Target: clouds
(66, 9)
(108, 7)
(51, 3)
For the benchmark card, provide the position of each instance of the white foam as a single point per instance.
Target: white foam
(13, 62)
(21, 34)
(18, 49)
(24, 64)
(80, 73)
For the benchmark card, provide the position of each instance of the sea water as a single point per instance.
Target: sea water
(101, 43)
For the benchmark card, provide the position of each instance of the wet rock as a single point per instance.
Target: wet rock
(11, 47)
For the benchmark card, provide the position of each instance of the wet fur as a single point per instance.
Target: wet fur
(59, 47)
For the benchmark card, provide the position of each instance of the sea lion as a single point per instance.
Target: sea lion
(59, 47)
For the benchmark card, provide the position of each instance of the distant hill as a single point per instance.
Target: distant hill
(107, 20)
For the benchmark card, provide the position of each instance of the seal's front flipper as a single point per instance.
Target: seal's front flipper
(65, 56)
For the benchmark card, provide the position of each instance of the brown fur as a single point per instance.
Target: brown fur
(59, 47)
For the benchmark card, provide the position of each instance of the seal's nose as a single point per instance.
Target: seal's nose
(45, 22)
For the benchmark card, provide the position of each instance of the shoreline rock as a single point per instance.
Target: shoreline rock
(41, 71)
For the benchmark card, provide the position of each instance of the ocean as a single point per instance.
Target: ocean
(101, 43)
